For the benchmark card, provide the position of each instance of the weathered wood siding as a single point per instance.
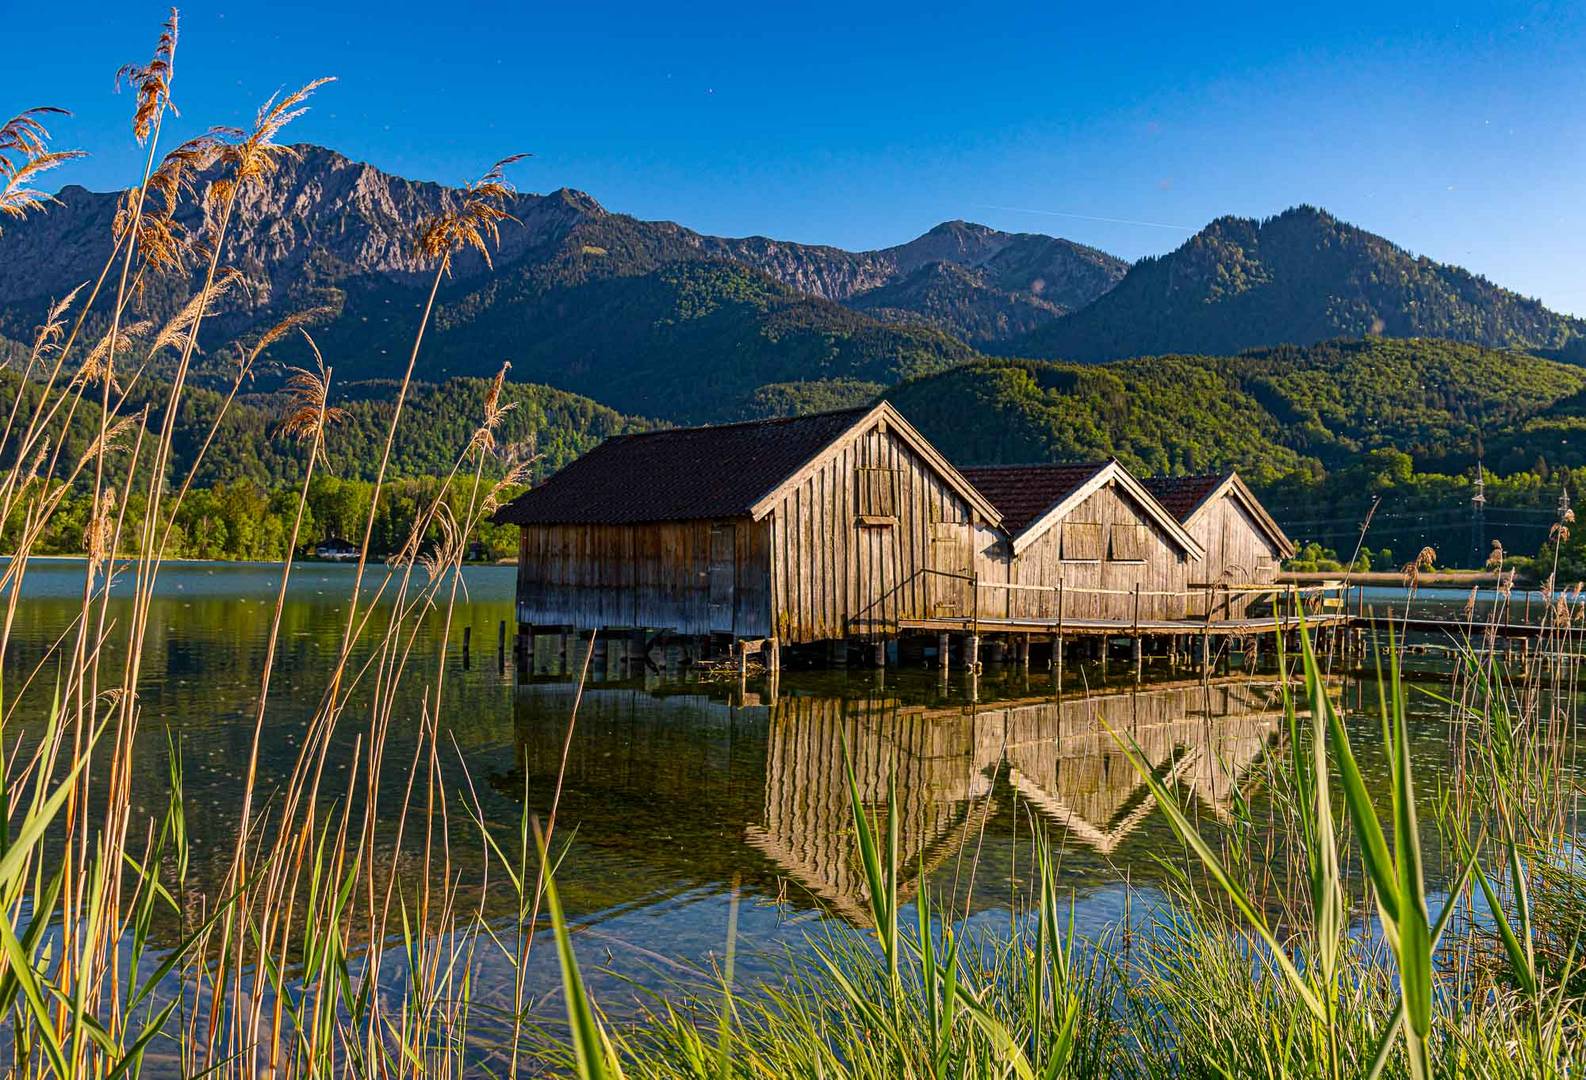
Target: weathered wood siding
(837, 571)
(1163, 569)
(1238, 551)
(691, 577)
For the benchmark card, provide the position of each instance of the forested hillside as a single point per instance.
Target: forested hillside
(1297, 278)
(1319, 431)
(438, 423)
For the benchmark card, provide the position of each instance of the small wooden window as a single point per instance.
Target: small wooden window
(878, 496)
(1129, 543)
(1082, 541)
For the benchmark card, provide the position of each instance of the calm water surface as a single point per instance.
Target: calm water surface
(679, 788)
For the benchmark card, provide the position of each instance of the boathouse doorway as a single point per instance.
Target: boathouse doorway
(722, 570)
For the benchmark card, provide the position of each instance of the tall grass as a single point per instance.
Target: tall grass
(281, 969)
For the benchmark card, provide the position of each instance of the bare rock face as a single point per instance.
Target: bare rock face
(1040, 277)
(321, 215)
(577, 292)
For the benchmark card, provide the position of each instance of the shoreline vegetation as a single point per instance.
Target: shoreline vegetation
(344, 941)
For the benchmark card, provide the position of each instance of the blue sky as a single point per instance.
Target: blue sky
(1457, 130)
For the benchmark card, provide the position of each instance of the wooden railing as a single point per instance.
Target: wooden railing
(1201, 601)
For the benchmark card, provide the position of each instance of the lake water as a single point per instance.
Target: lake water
(680, 790)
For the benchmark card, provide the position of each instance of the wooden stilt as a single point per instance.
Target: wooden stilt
(525, 648)
(944, 650)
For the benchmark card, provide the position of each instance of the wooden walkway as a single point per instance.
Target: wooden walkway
(1127, 627)
(1458, 625)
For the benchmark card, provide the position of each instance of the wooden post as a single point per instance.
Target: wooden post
(1024, 652)
(743, 662)
(525, 647)
(972, 663)
(1105, 642)
(879, 653)
(944, 651)
(1057, 657)
(1139, 662)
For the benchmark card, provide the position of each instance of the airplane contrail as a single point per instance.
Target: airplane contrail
(1085, 217)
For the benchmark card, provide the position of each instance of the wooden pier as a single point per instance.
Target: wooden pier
(847, 536)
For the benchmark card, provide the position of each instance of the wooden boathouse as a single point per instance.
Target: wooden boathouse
(1244, 546)
(779, 532)
(1092, 529)
(849, 526)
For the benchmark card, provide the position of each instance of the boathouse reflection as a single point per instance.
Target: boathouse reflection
(690, 789)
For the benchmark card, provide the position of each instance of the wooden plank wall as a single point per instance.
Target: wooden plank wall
(652, 576)
(1237, 550)
(1166, 569)
(833, 577)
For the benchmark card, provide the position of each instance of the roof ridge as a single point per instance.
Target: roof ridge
(1089, 464)
(764, 421)
(1222, 474)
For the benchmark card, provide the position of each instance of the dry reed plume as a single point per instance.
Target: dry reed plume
(85, 1008)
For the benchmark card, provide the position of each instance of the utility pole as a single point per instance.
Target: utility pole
(1478, 518)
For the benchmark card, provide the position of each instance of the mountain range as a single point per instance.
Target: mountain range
(654, 319)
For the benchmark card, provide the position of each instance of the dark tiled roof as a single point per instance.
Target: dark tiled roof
(1182, 494)
(1022, 493)
(680, 474)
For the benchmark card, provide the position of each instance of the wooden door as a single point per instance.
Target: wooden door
(723, 574)
(947, 584)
